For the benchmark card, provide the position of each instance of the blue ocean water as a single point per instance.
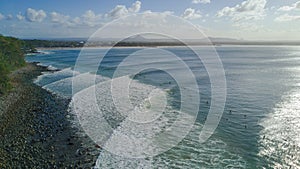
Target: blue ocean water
(260, 125)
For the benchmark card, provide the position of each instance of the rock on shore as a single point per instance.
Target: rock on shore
(35, 131)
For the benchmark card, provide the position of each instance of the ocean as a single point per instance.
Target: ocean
(259, 127)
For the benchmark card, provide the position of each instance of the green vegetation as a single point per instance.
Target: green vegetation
(11, 57)
(52, 43)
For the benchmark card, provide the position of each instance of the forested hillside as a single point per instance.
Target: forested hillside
(53, 43)
(11, 57)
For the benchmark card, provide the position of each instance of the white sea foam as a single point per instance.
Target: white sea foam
(42, 64)
(66, 88)
(45, 52)
(187, 154)
(122, 138)
(50, 67)
(48, 78)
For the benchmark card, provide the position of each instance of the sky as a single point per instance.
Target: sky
(239, 19)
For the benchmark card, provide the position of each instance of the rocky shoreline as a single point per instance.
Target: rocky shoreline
(36, 129)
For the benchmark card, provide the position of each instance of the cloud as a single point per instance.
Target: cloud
(122, 10)
(33, 15)
(287, 17)
(190, 13)
(20, 17)
(58, 18)
(201, 1)
(247, 26)
(9, 17)
(90, 18)
(136, 6)
(1, 17)
(162, 14)
(247, 10)
(76, 20)
(117, 12)
(73, 22)
(295, 6)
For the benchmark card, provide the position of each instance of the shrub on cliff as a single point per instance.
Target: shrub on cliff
(11, 58)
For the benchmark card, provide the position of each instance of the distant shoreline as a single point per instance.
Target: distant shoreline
(108, 47)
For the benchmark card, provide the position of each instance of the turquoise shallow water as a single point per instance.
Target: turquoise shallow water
(260, 125)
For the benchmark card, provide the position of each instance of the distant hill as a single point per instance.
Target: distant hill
(216, 39)
(142, 39)
(146, 40)
(137, 38)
